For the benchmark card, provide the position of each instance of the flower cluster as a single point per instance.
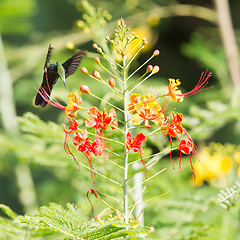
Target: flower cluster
(216, 161)
(144, 108)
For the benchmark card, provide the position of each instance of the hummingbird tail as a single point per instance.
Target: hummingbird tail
(42, 97)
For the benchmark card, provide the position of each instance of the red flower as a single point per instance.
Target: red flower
(172, 129)
(97, 147)
(85, 146)
(187, 146)
(101, 120)
(72, 128)
(79, 136)
(135, 145)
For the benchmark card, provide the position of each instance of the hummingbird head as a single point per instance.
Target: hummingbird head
(52, 67)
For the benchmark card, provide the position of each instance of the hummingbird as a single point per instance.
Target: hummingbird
(52, 71)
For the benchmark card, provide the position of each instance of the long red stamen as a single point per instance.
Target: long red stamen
(202, 82)
(91, 203)
(143, 164)
(194, 151)
(192, 167)
(180, 160)
(90, 162)
(67, 149)
(171, 151)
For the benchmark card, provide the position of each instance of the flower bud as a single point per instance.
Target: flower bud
(84, 89)
(123, 53)
(97, 60)
(155, 69)
(112, 82)
(93, 191)
(97, 218)
(149, 68)
(107, 38)
(95, 45)
(156, 52)
(84, 70)
(96, 74)
(152, 229)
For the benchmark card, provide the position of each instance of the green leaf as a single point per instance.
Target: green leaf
(8, 211)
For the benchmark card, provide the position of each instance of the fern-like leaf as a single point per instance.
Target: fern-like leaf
(72, 223)
(229, 196)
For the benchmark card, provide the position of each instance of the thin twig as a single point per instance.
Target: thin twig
(148, 179)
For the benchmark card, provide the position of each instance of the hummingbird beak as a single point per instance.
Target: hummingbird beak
(64, 83)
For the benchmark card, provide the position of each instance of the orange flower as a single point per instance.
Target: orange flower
(146, 110)
(74, 104)
(148, 98)
(173, 91)
(134, 100)
(177, 95)
(150, 111)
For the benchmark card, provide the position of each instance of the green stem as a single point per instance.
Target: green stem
(111, 73)
(112, 105)
(141, 82)
(126, 118)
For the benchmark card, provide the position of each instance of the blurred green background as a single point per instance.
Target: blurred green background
(35, 170)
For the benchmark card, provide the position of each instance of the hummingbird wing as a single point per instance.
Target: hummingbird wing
(72, 63)
(50, 48)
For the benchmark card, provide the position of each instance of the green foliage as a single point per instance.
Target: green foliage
(14, 15)
(207, 120)
(73, 223)
(56, 222)
(229, 197)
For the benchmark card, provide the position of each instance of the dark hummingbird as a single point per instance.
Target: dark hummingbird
(53, 71)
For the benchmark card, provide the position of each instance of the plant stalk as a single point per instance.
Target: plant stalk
(126, 118)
